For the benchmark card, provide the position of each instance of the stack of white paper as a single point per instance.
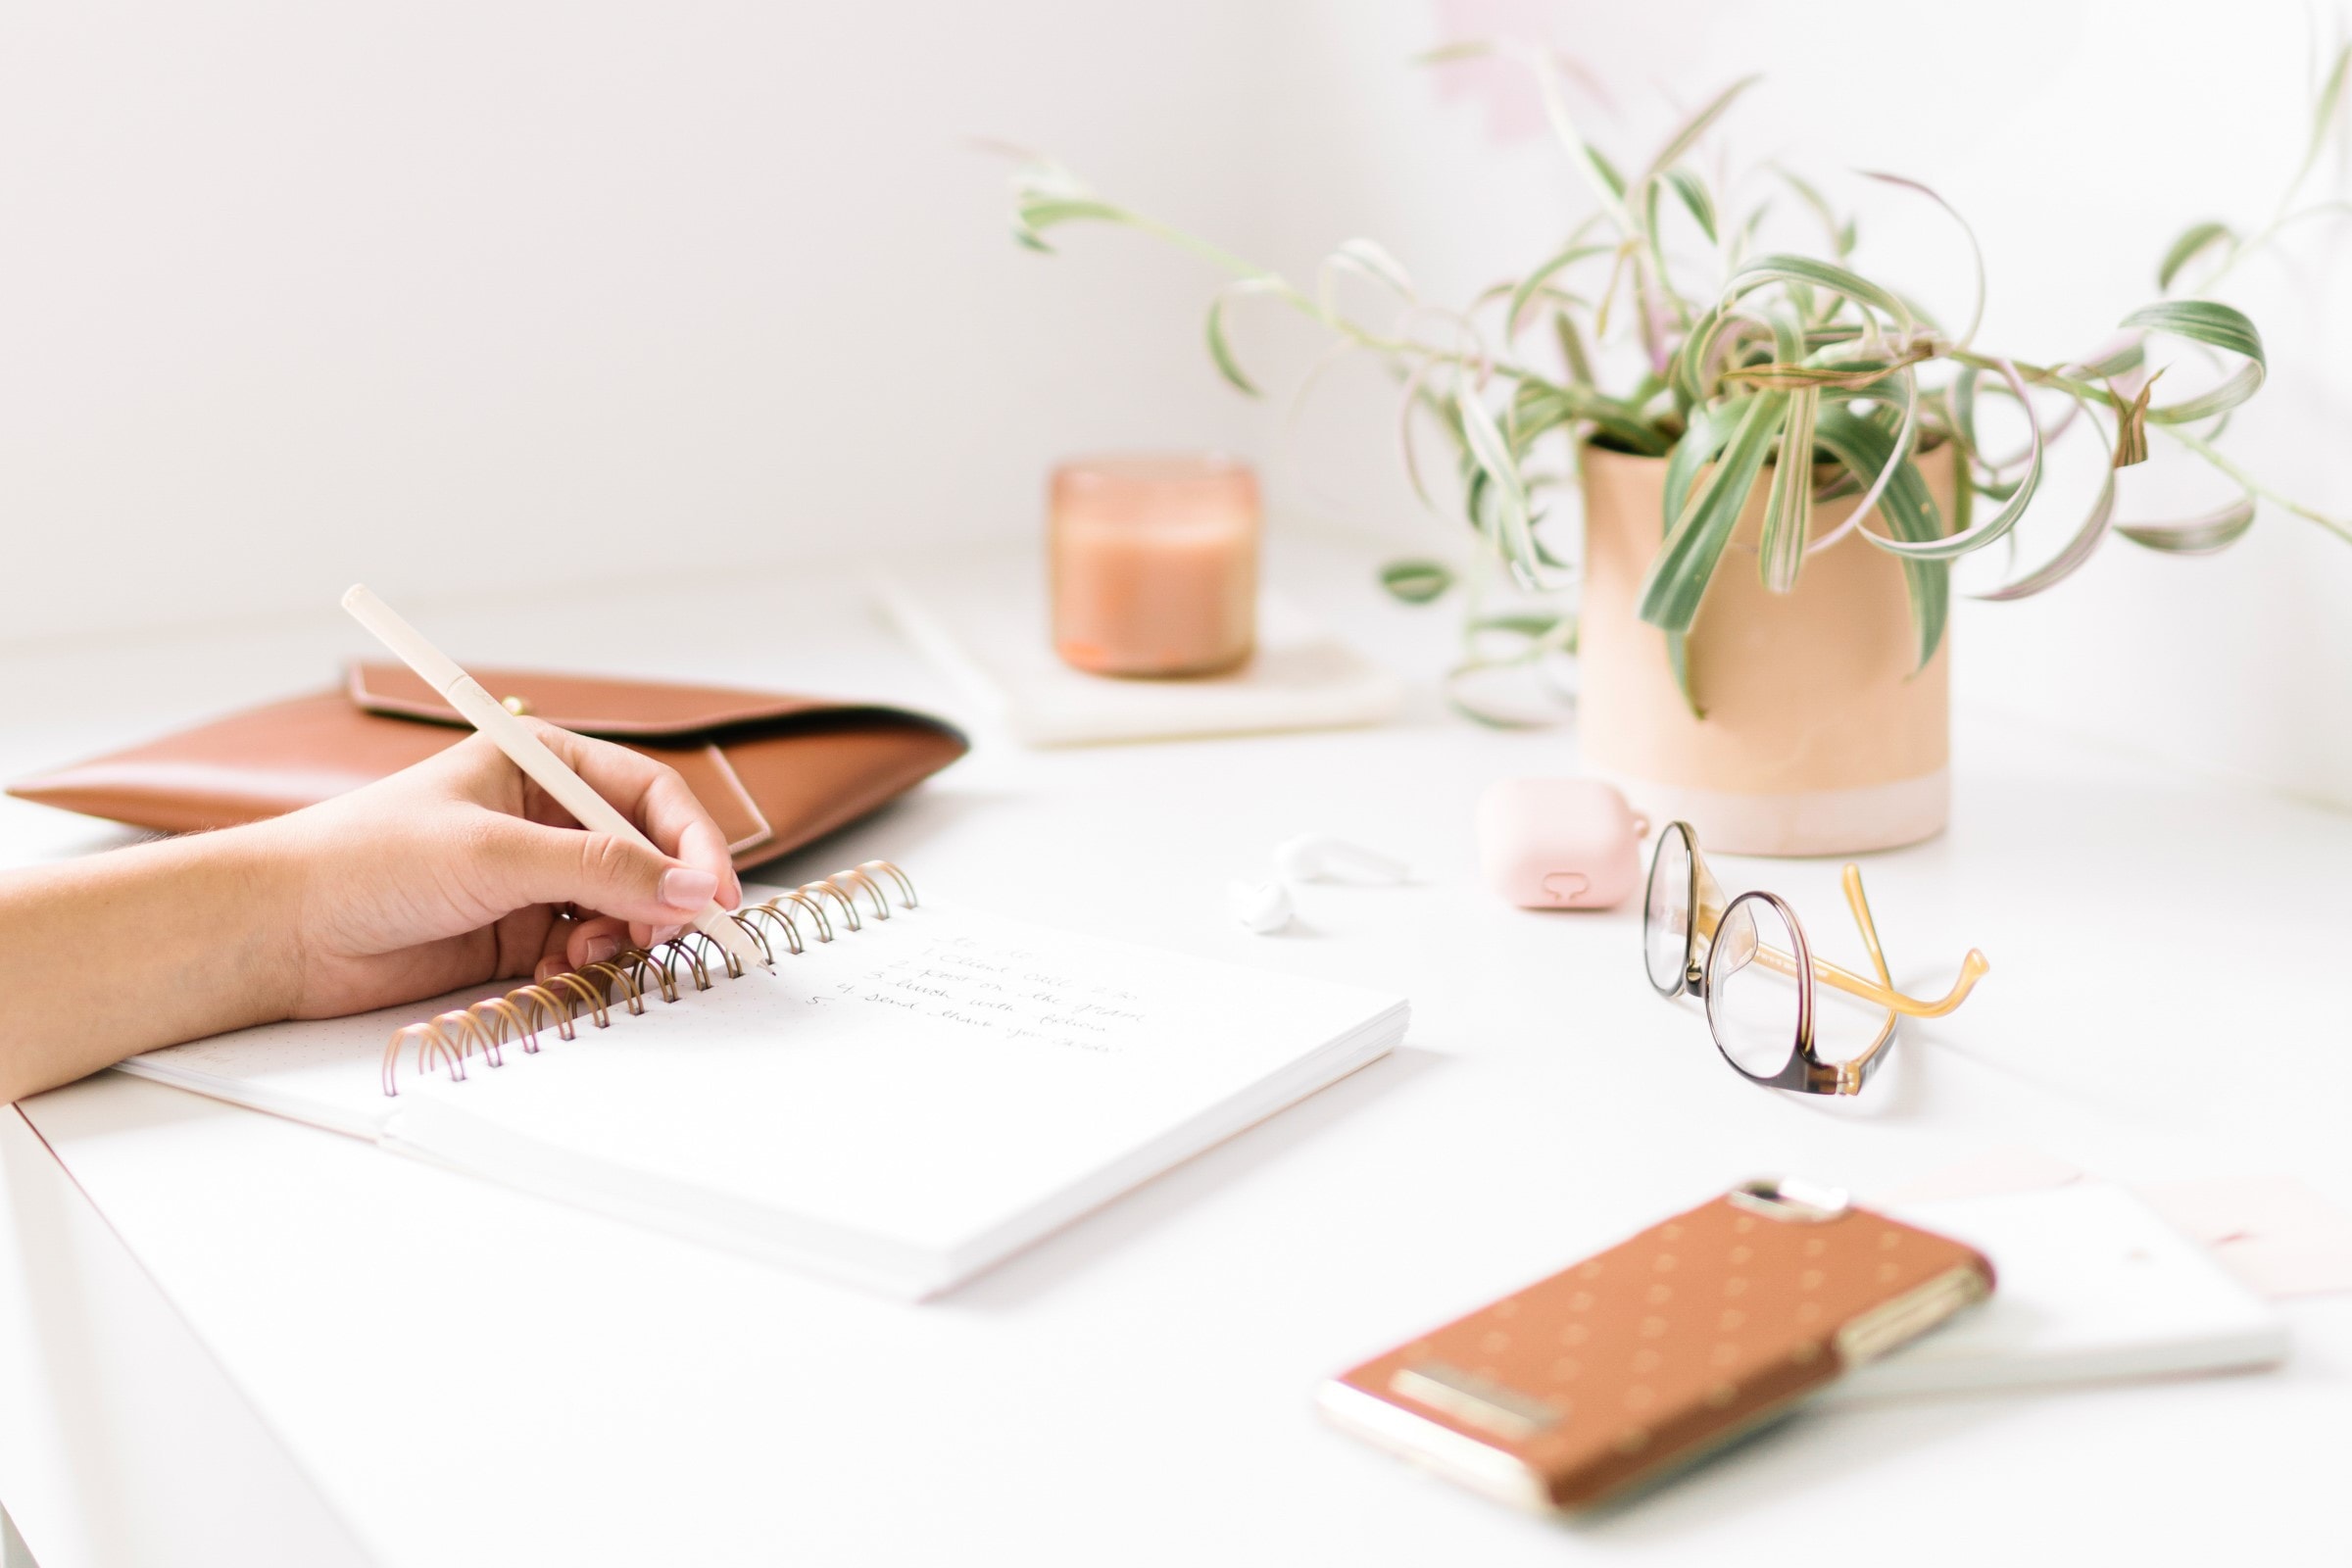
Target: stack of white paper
(983, 619)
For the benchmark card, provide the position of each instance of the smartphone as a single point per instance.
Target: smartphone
(1643, 1357)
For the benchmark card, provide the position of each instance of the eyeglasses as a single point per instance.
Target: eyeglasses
(1750, 961)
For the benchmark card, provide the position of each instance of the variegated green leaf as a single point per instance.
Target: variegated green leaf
(2193, 240)
(1683, 370)
(2068, 561)
(1964, 408)
(1572, 348)
(1537, 408)
(1709, 429)
(1784, 268)
(1685, 135)
(1704, 438)
(1515, 314)
(1549, 632)
(1964, 499)
(2201, 535)
(2322, 112)
(1678, 578)
(1038, 216)
(1416, 583)
(1514, 536)
(1678, 660)
(1221, 351)
(2222, 326)
(1367, 259)
(1909, 508)
(1697, 200)
(1915, 518)
(1903, 440)
(1789, 507)
(1610, 176)
(2225, 327)
(1953, 545)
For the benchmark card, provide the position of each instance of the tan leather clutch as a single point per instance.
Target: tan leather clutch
(776, 771)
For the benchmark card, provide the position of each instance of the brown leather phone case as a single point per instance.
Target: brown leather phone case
(1621, 1367)
(776, 771)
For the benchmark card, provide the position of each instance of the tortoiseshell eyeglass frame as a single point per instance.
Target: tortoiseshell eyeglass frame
(1804, 1071)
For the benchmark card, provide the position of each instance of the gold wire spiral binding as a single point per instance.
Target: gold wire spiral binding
(767, 954)
(702, 945)
(849, 906)
(817, 911)
(561, 1001)
(904, 884)
(641, 963)
(749, 919)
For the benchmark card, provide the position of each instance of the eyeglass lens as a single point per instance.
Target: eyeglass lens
(1666, 912)
(1753, 1002)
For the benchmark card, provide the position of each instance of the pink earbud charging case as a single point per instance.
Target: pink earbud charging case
(1559, 843)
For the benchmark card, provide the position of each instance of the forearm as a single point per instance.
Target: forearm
(104, 957)
(445, 875)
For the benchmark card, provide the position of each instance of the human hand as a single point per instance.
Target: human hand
(461, 869)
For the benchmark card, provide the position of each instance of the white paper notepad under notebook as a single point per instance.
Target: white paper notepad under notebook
(983, 619)
(903, 1105)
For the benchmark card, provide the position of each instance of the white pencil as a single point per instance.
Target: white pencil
(526, 749)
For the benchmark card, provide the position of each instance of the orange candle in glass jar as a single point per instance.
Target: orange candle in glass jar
(1154, 564)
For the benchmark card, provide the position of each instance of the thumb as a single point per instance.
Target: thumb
(527, 862)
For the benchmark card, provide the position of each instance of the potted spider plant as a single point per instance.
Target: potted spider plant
(1780, 459)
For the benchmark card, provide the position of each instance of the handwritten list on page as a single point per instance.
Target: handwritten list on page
(921, 1078)
(1006, 991)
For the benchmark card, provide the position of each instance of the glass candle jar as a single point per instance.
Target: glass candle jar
(1154, 563)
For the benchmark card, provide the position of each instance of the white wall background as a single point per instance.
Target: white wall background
(298, 293)
(295, 293)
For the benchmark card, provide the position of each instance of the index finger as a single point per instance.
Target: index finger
(654, 796)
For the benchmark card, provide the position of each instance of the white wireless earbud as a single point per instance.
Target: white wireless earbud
(1261, 906)
(1320, 857)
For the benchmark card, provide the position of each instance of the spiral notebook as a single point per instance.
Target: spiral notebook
(917, 1090)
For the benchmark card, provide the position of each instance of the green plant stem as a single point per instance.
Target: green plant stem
(2206, 450)
(1307, 305)
(2037, 374)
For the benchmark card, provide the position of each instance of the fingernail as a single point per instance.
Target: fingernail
(547, 969)
(598, 949)
(684, 888)
(666, 933)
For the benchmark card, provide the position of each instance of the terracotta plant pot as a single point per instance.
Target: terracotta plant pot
(1820, 737)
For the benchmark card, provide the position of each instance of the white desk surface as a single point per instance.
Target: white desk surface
(456, 1374)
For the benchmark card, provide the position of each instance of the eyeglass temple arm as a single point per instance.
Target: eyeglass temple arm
(1853, 1073)
(1882, 991)
(1859, 903)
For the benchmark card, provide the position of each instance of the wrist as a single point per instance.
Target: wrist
(255, 876)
